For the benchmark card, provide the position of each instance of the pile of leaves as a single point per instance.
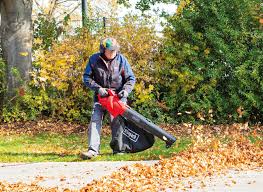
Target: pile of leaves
(18, 187)
(66, 128)
(209, 155)
(40, 126)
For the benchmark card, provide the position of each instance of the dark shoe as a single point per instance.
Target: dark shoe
(88, 155)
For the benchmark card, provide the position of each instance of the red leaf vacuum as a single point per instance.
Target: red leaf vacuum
(117, 108)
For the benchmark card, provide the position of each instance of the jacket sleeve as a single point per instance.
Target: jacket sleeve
(88, 77)
(129, 77)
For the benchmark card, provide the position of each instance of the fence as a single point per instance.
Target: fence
(105, 23)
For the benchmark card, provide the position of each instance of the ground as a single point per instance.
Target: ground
(76, 175)
(220, 158)
(72, 175)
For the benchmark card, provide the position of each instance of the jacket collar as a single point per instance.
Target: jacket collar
(105, 61)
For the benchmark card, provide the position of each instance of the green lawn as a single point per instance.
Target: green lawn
(57, 147)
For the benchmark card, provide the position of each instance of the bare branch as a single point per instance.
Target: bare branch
(53, 6)
(39, 6)
(62, 1)
(70, 11)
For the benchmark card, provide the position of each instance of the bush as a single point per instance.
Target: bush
(57, 89)
(212, 62)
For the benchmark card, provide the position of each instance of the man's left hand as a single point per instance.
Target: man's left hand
(122, 94)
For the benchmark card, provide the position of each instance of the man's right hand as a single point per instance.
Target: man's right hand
(103, 92)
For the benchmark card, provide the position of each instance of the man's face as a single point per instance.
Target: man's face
(110, 54)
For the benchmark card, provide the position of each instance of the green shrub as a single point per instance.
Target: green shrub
(212, 62)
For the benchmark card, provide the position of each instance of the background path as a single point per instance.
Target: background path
(72, 175)
(75, 175)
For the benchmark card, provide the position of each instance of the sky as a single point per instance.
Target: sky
(103, 5)
(169, 8)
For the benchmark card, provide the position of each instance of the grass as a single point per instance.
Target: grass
(47, 147)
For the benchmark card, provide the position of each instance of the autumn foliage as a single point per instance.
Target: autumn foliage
(206, 68)
(57, 90)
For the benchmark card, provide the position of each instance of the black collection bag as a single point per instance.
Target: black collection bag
(128, 138)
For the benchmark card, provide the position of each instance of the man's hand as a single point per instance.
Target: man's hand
(122, 94)
(103, 92)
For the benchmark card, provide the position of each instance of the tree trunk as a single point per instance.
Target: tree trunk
(16, 40)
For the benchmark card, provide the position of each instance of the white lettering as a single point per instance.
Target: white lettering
(131, 134)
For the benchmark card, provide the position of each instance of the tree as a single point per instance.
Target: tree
(2, 83)
(52, 20)
(16, 41)
(145, 5)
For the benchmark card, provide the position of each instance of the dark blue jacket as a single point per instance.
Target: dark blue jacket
(117, 76)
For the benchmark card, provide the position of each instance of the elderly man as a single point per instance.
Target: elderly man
(107, 69)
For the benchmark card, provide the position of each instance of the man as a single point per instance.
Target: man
(107, 69)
